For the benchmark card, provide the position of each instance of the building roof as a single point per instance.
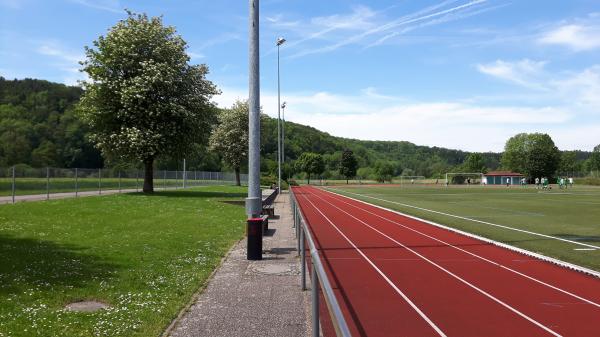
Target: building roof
(503, 174)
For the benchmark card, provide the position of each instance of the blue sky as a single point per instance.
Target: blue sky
(463, 74)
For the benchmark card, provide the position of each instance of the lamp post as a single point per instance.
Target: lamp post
(254, 199)
(280, 41)
(283, 105)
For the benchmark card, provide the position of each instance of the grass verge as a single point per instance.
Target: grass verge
(143, 255)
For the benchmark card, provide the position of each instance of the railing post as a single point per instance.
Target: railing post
(76, 183)
(119, 181)
(165, 180)
(99, 181)
(137, 173)
(47, 183)
(13, 184)
(315, 302)
(302, 260)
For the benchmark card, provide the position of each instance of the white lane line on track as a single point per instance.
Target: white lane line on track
(481, 291)
(421, 313)
(475, 220)
(481, 257)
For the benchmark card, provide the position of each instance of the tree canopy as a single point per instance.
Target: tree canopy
(534, 155)
(348, 164)
(143, 98)
(474, 163)
(311, 163)
(230, 138)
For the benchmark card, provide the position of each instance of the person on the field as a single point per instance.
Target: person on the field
(571, 181)
(537, 183)
(507, 182)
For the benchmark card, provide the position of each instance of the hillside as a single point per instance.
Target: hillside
(38, 127)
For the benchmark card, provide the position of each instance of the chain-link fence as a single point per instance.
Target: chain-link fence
(19, 181)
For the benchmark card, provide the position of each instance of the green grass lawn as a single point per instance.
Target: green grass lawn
(143, 255)
(25, 186)
(572, 214)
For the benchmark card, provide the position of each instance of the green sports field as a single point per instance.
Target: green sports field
(144, 255)
(27, 186)
(568, 220)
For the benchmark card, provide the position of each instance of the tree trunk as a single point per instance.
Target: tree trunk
(346, 181)
(309, 178)
(148, 175)
(237, 177)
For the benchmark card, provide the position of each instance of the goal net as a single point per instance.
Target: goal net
(469, 178)
(412, 180)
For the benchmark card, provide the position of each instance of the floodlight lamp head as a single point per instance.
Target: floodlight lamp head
(283, 105)
(280, 41)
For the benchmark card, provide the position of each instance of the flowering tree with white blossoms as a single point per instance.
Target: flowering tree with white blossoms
(230, 138)
(143, 99)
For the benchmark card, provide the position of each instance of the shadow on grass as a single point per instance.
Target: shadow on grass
(579, 238)
(193, 194)
(27, 263)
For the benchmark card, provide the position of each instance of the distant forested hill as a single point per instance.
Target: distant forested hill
(39, 127)
(406, 157)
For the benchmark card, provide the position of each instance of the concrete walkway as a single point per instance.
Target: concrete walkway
(253, 298)
(63, 195)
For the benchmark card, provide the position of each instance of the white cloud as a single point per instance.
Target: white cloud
(577, 89)
(52, 48)
(522, 72)
(365, 26)
(113, 6)
(194, 55)
(373, 116)
(578, 37)
(64, 59)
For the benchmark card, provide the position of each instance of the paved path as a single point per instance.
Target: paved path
(254, 298)
(40, 197)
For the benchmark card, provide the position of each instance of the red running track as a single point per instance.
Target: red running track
(397, 276)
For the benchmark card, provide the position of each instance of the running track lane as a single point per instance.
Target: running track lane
(397, 276)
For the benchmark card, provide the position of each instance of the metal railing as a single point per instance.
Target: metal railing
(318, 276)
(25, 181)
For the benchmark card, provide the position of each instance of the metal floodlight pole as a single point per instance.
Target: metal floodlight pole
(283, 106)
(13, 184)
(253, 202)
(47, 183)
(280, 41)
(76, 182)
(184, 173)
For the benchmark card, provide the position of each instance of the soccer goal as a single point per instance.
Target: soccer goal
(412, 180)
(469, 178)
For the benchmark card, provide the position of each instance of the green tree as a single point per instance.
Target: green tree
(474, 163)
(594, 160)
(515, 153)
(311, 163)
(384, 171)
(143, 98)
(45, 155)
(230, 137)
(534, 155)
(348, 164)
(568, 162)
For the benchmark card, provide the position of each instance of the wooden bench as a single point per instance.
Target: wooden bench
(265, 221)
(268, 210)
(267, 203)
